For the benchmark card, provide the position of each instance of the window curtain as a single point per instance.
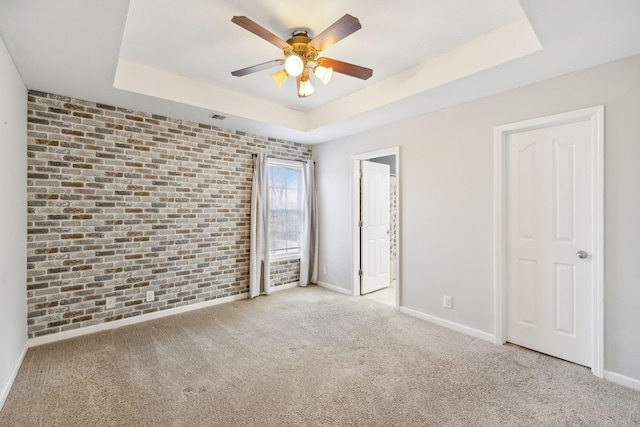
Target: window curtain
(259, 269)
(309, 241)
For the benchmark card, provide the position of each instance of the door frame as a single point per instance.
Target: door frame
(355, 217)
(594, 115)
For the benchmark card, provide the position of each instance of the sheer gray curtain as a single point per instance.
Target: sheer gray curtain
(259, 269)
(309, 252)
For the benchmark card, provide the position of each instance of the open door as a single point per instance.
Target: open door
(375, 254)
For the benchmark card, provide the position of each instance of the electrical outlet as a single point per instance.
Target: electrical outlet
(150, 296)
(110, 303)
(448, 301)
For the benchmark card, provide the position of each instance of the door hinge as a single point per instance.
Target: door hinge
(360, 273)
(360, 223)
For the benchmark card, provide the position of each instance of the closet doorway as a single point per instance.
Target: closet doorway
(376, 226)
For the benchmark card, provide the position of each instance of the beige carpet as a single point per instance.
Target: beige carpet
(304, 357)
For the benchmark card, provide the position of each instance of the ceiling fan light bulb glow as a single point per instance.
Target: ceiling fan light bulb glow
(294, 65)
(305, 88)
(280, 77)
(323, 73)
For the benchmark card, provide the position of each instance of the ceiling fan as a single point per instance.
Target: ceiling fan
(301, 54)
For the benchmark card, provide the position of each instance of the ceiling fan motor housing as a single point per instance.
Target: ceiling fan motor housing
(300, 46)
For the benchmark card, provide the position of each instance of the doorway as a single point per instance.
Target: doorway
(549, 236)
(376, 226)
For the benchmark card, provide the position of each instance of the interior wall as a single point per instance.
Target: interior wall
(446, 200)
(13, 221)
(124, 202)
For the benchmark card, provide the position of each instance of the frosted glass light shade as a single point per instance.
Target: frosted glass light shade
(280, 77)
(323, 73)
(294, 65)
(305, 87)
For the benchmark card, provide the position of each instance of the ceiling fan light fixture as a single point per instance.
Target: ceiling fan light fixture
(323, 73)
(301, 54)
(294, 65)
(280, 77)
(305, 87)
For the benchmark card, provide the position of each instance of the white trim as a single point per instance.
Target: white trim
(393, 151)
(598, 243)
(12, 377)
(355, 217)
(297, 164)
(476, 333)
(378, 153)
(596, 116)
(335, 288)
(622, 380)
(284, 257)
(499, 250)
(285, 286)
(33, 342)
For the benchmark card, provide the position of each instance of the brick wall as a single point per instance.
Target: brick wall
(122, 202)
(283, 272)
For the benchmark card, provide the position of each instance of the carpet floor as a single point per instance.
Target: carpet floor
(304, 357)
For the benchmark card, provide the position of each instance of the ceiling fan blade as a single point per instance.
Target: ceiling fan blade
(260, 31)
(346, 68)
(337, 31)
(256, 68)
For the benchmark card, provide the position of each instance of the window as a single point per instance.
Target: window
(285, 207)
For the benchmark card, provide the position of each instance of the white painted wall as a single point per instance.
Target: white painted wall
(446, 201)
(13, 220)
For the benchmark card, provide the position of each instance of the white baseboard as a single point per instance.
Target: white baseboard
(622, 380)
(7, 387)
(335, 288)
(285, 286)
(449, 324)
(33, 342)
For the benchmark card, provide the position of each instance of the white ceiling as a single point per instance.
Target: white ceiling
(175, 58)
(200, 42)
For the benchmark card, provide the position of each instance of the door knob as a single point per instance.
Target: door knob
(582, 254)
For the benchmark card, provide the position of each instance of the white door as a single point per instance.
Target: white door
(549, 244)
(375, 255)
